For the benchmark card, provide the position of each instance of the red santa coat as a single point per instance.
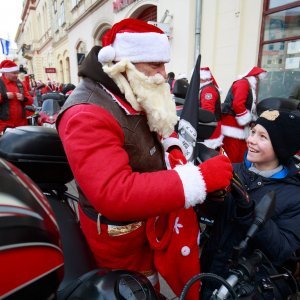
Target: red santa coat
(235, 127)
(209, 100)
(15, 112)
(101, 168)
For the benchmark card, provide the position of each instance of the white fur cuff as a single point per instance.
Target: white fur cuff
(193, 184)
(214, 143)
(244, 118)
(233, 132)
(171, 141)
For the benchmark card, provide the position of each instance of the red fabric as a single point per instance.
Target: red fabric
(174, 239)
(22, 265)
(129, 251)
(215, 180)
(176, 157)
(234, 139)
(127, 25)
(255, 71)
(208, 98)
(101, 168)
(235, 149)
(7, 64)
(240, 90)
(15, 106)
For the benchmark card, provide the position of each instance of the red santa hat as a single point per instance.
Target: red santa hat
(205, 74)
(136, 41)
(256, 71)
(7, 66)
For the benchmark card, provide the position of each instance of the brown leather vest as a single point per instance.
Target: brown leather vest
(144, 148)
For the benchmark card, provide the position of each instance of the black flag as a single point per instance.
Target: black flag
(187, 127)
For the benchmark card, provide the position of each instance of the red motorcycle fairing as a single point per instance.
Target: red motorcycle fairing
(31, 256)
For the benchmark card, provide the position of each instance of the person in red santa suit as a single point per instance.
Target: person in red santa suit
(209, 99)
(13, 96)
(115, 128)
(238, 111)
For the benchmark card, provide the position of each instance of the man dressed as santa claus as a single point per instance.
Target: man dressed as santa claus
(14, 96)
(135, 213)
(209, 99)
(238, 111)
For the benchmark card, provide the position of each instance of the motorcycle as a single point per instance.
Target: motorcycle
(49, 242)
(243, 282)
(179, 92)
(46, 114)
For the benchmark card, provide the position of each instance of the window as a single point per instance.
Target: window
(280, 48)
(55, 6)
(62, 14)
(74, 3)
(276, 3)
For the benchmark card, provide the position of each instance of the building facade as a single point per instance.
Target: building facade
(232, 36)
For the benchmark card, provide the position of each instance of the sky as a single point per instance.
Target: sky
(10, 19)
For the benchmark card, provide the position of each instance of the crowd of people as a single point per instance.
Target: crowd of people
(19, 90)
(137, 192)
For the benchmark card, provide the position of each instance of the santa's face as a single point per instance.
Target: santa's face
(145, 88)
(148, 83)
(151, 69)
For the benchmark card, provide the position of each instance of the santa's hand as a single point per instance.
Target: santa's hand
(213, 174)
(217, 173)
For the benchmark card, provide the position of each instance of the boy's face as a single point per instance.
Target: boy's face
(260, 149)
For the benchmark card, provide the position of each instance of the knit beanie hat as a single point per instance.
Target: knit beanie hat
(136, 41)
(283, 128)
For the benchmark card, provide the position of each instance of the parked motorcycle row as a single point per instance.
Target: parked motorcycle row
(45, 109)
(38, 220)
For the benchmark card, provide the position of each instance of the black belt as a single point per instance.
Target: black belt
(94, 216)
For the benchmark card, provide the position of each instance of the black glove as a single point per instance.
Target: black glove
(244, 205)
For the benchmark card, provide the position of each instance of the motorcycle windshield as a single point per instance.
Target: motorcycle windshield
(50, 107)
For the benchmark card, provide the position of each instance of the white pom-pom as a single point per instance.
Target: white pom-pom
(106, 54)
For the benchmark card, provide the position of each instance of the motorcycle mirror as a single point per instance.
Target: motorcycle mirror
(263, 212)
(265, 208)
(30, 108)
(207, 123)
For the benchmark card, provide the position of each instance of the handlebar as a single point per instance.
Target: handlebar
(245, 270)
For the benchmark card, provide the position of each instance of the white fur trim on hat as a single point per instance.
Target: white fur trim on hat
(205, 74)
(193, 184)
(7, 70)
(171, 141)
(244, 118)
(137, 47)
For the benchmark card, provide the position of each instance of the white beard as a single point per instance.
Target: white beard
(149, 94)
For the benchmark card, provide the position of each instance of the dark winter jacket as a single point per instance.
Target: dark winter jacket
(279, 237)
